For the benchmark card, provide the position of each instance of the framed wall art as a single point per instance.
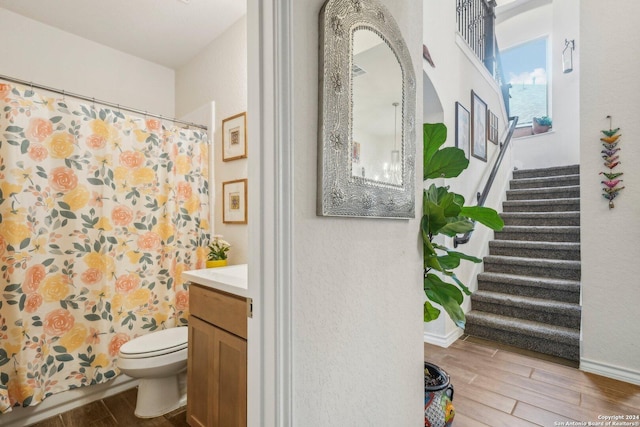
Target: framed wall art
(478, 127)
(234, 137)
(493, 128)
(462, 129)
(234, 202)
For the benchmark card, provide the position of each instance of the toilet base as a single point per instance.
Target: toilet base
(159, 396)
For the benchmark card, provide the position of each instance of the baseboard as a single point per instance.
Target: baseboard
(610, 371)
(65, 401)
(443, 341)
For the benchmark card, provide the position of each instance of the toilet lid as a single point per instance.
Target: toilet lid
(156, 343)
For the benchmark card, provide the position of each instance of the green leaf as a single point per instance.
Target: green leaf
(4, 359)
(92, 317)
(447, 295)
(449, 262)
(11, 288)
(449, 205)
(14, 129)
(430, 312)
(25, 243)
(455, 226)
(436, 289)
(485, 216)
(431, 261)
(433, 136)
(457, 254)
(64, 358)
(436, 217)
(429, 195)
(67, 214)
(448, 162)
(459, 283)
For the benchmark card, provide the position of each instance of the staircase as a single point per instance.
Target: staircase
(529, 293)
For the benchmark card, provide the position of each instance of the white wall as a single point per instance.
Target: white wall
(557, 21)
(610, 250)
(219, 74)
(458, 71)
(36, 52)
(357, 294)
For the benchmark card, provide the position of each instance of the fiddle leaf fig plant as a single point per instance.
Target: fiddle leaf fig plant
(444, 213)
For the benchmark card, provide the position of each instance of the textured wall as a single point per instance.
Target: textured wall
(357, 302)
(610, 250)
(36, 52)
(219, 74)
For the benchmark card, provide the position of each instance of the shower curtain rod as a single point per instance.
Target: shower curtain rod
(93, 100)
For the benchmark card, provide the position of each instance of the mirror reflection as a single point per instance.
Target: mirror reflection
(376, 140)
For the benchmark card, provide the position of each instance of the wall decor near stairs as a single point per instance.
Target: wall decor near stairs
(611, 160)
(529, 293)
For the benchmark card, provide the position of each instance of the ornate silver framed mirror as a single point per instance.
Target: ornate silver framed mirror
(366, 141)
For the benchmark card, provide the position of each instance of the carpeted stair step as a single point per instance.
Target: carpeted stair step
(546, 250)
(571, 191)
(554, 171)
(543, 205)
(541, 218)
(552, 268)
(553, 289)
(536, 309)
(544, 182)
(539, 234)
(555, 340)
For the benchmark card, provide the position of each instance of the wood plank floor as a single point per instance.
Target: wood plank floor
(116, 410)
(501, 386)
(494, 386)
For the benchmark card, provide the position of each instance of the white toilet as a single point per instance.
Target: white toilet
(159, 360)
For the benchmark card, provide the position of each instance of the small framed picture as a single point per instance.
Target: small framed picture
(478, 127)
(234, 137)
(462, 129)
(493, 128)
(234, 202)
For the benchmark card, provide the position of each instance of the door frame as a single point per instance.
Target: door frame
(270, 201)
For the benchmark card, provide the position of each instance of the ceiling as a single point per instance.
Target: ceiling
(167, 32)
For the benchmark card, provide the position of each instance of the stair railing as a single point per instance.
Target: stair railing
(482, 197)
(476, 24)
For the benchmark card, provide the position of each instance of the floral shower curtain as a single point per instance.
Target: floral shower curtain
(100, 213)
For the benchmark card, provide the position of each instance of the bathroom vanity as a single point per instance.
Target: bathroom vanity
(217, 361)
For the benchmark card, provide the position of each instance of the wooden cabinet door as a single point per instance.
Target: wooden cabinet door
(216, 377)
(230, 380)
(200, 373)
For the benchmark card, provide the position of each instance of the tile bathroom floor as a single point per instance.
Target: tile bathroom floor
(116, 410)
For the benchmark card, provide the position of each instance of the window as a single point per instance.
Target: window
(525, 67)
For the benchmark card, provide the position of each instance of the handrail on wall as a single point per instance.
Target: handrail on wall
(482, 197)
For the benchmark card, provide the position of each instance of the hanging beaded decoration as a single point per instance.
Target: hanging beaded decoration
(611, 160)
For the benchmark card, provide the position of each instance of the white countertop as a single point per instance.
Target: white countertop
(231, 279)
